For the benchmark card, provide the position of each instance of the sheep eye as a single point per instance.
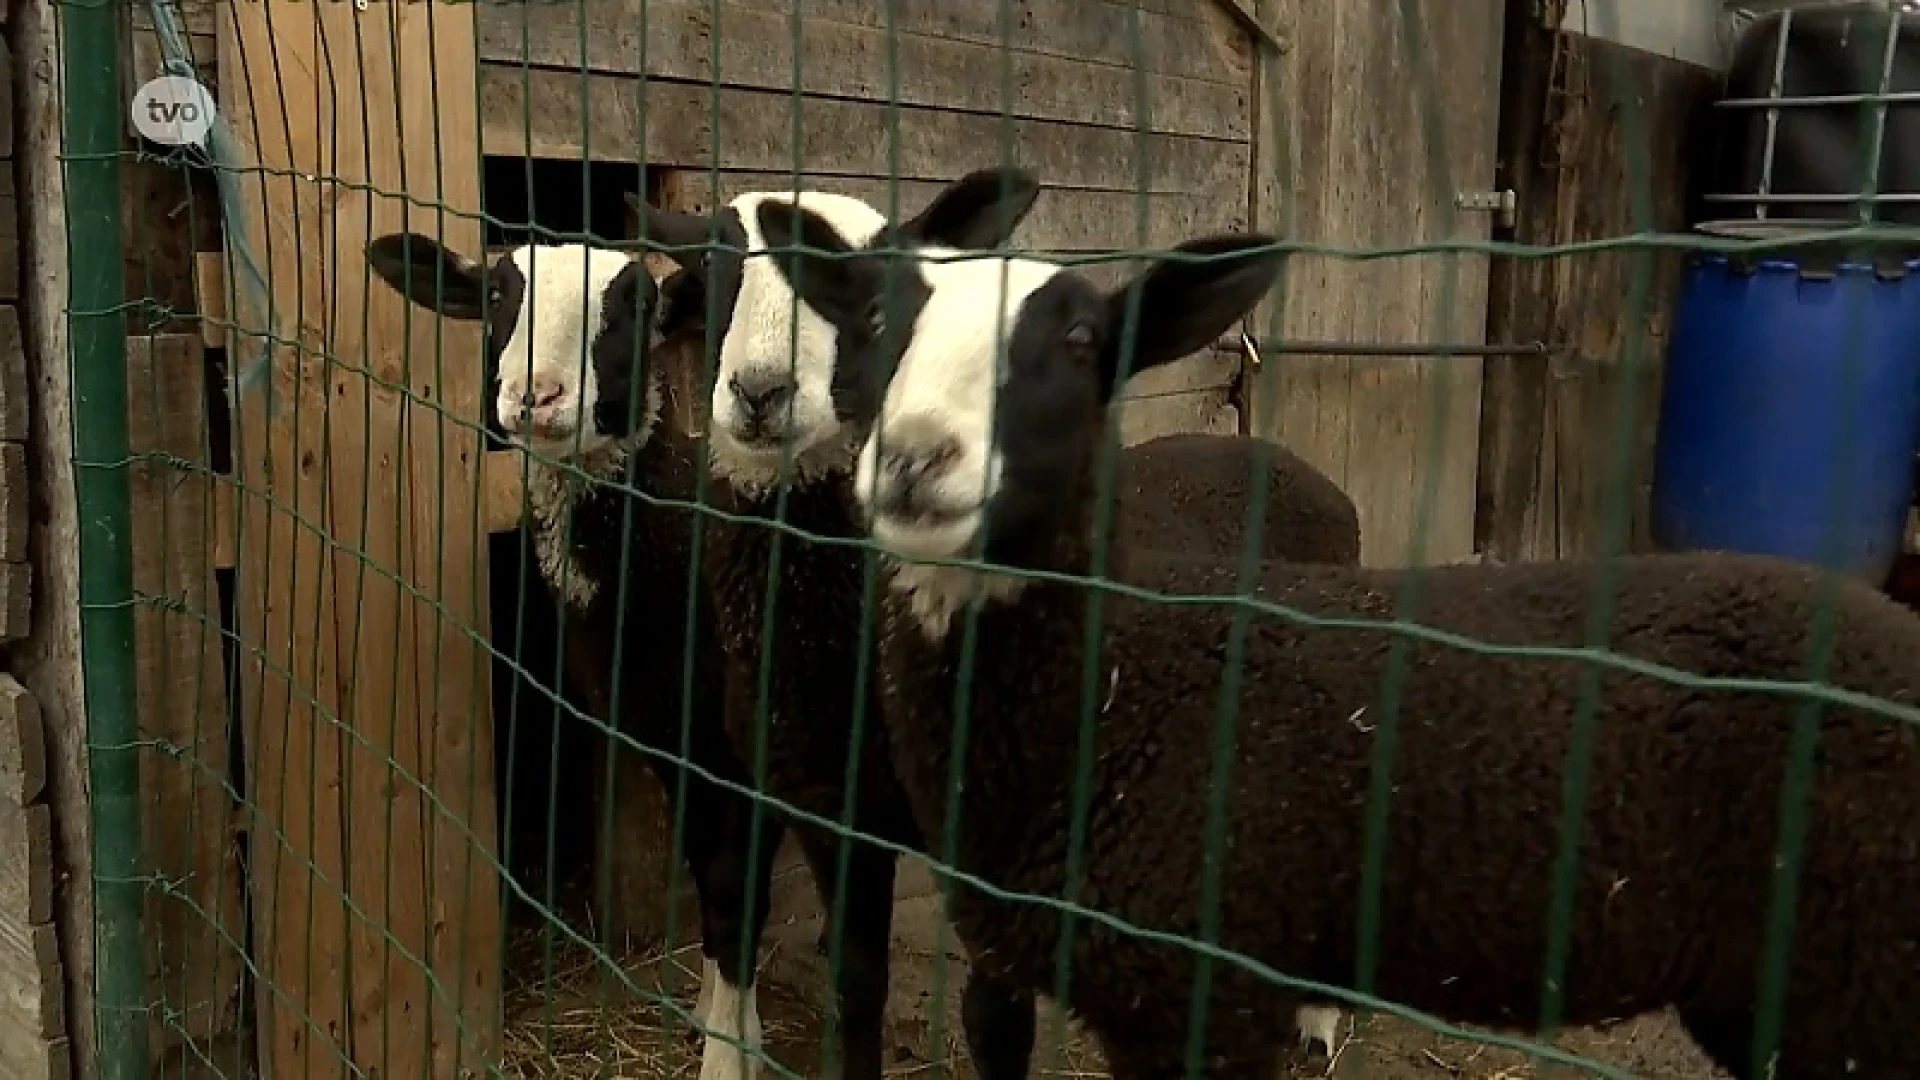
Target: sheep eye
(1080, 335)
(876, 319)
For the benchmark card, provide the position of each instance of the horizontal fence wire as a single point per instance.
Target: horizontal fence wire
(370, 800)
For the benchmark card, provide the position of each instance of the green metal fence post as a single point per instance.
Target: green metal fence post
(93, 110)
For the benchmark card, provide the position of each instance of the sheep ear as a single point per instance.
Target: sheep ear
(431, 276)
(836, 286)
(1185, 306)
(978, 211)
(675, 229)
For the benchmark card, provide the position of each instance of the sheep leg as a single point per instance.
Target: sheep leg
(733, 913)
(1318, 1024)
(999, 1021)
(865, 911)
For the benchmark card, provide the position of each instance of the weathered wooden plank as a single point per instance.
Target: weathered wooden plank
(1549, 425)
(15, 497)
(1062, 219)
(739, 46)
(1358, 142)
(420, 690)
(195, 930)
(32, 990)
(6, 100)
(411, 779)
(16, 601)
(10, 250)
(1178, 38)
(210, 297)
(13, 376)
(291, 696)
(540, 113)
(48, 662)
(1181, 41)
(171, 213)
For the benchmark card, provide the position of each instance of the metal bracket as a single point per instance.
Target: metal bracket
(1503, 203)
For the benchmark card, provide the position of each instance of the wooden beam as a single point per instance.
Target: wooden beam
(380, 730)
(48, 663)
(290, 693)
(210, 295)
(195, 931)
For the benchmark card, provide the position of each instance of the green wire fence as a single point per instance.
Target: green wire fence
(464, 939)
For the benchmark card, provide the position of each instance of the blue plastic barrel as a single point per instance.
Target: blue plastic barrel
(1790, 415)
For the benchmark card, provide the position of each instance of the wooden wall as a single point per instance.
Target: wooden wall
(1377, 135)
(1578, 111)
(1070, 115)
(34, 1036)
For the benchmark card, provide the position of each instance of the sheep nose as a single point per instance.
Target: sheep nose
(909, 468)
(541, 394)
(762, 397)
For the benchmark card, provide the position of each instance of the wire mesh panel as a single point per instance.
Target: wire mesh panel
(497, 663)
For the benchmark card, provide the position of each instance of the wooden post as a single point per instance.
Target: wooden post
(376, 905)
(196, 930)
(48, 662)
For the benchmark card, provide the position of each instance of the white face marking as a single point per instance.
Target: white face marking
(551, 495)
(561, 311)
(944, 391)
(945, 388)
(734, 1013)
(762, 344)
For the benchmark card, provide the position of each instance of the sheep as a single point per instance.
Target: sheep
(1193, 492)
(777, 394)
(569, 329)
(772, 401)
(1679, 831)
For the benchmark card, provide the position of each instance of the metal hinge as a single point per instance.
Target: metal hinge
(1502, 203)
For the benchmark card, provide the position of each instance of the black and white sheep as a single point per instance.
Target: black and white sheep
(1679, 834)
(779, 401)
(569, 337)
